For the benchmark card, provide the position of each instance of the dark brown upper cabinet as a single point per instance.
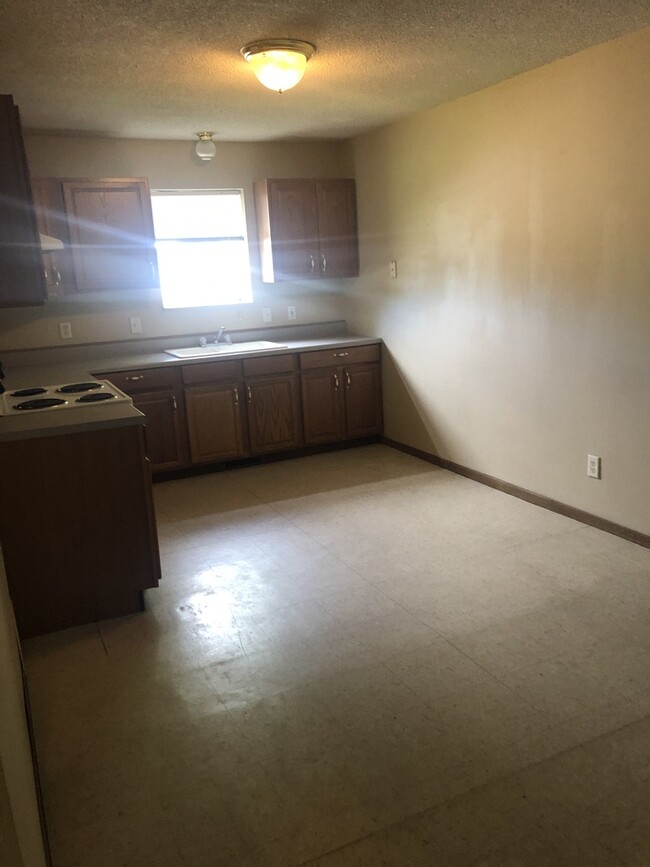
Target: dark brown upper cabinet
(22, 282)
(307, 228)
(111, 233)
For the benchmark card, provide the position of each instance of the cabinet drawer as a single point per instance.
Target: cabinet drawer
(132, 381)
(212, 371)
(340, 357)
(269, 365)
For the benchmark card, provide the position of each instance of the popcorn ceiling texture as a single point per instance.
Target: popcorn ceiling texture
(163, 70)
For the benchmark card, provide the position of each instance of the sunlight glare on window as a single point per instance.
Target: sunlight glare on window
(202, 249)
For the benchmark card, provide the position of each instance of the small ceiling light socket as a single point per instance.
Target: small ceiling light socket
(205, 147)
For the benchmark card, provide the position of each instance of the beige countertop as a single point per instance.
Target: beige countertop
(100, 360)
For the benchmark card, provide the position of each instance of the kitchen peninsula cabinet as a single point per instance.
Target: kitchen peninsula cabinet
(22, 282)
(77, 527)
(158, 394)
(341, 394)
(307, 228)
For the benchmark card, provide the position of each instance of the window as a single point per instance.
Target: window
(202, 247)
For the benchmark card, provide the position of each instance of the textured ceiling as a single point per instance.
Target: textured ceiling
(163, 69)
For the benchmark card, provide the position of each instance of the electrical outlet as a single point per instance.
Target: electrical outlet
(136, 325)
(393, 268)
(291, 312)
(267, 316)
(65, 330)
(594, 466)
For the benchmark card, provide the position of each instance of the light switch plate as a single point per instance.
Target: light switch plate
(65, 330)
(267, 316)
(291, 312)
(393, 268)
(136, 325)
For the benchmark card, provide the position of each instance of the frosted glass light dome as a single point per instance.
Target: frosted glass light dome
(278, 64)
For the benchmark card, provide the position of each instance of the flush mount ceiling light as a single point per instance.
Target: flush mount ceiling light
(279, 64)
(205, 147)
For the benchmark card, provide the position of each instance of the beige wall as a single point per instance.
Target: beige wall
(170, 164)
(519, 325)
(20, 829)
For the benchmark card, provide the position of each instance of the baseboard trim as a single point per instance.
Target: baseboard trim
(524, 494)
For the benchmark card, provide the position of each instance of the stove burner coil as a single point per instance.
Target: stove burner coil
(27, 392)
(96, 397)
(41, 403)
(76, 387)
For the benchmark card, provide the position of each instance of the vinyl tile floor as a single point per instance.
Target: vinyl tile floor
(356, 658)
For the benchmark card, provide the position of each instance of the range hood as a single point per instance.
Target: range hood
(48, 243)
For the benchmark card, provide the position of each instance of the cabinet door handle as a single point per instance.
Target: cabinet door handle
(341, 354)
(348, 381)
(133, 378)
(174, 404)
(313, 264)
(336, 382)
(235, 392)
(323, 262)
(250, 395)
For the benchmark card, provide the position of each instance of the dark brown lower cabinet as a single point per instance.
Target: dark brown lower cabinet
(223, 410)
(215, 422)
(77, 527)
(158, 394)
(341, 403)
(322, 407)
(341, 393)
(273, 406)
(362, 398)
(165, 432)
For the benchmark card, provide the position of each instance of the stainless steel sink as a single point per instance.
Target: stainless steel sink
(222, 349)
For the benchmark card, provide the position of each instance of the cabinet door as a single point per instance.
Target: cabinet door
(322, 406)
(337, 228)
(111, 232)
(363, 409)
(21, 271)
(52, 221)
(273, 407)
(292, 227)
(214, 421)
(165, 428)
(97, 546)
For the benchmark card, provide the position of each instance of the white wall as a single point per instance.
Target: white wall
(519, 325)
(173, 164)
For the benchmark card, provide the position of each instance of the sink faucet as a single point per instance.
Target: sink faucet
(218, 337)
